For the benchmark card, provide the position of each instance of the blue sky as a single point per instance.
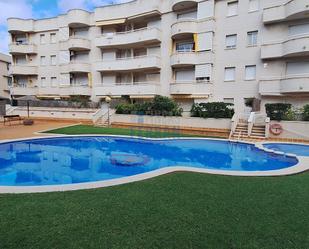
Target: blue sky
(40, 9)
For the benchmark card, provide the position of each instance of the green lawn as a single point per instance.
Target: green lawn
(89, 129)
(181, 210)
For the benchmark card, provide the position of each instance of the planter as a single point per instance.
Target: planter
(28, 122)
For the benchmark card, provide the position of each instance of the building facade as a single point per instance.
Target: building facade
(5, 80)
(191, 50)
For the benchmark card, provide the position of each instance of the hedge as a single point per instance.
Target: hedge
(279, 111)
(159, 106)
(212, 110)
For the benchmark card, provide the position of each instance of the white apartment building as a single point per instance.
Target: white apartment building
(5, 80)
(191, 50)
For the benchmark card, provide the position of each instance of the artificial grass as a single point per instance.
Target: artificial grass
(89, 129)
(180, 210)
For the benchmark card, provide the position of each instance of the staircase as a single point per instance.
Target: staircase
(241, 131)
(255, 126)
(102, 117)
(258, 132)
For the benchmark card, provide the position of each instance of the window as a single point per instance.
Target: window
(252, 38)
(229, 74)
(299, 29)
(9, 79)
(228, 100)
(53, 38)
(231, 41)
(43, 81)
(42, 39)
(250, 72)
(53, 61)
(254, 5)
(185, 47)
(53, 81)
(300, 67)
(232, 8)
(43, 61)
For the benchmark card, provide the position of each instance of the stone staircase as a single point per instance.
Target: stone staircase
(254, 126)
(241, 131)
(258, 132)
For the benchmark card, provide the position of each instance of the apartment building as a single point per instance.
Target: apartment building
(5, 80)
(191, 50)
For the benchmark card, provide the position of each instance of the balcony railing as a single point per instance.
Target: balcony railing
(132, 37)
(291, 10)
(128, 88)
(130, 63)
(293, 46)
(290, 84)
(191, 87)
(22, 48)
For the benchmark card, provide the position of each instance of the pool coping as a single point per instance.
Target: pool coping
(301, 166)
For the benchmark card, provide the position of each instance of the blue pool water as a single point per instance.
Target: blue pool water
(297, 149)
(68, 160)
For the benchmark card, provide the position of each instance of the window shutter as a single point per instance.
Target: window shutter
(203, 71)
(204, 41)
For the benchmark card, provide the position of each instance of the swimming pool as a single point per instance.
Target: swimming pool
(72, 160)
(296, 149)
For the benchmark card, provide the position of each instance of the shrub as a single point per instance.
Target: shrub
(124, 108)
(212, 110)
(161, 106)
(306, 112)
(279, 111)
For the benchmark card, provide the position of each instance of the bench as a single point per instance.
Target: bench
(12, 118)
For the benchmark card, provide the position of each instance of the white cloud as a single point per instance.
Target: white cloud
(4, 41)
(14, 8)
(65, 5)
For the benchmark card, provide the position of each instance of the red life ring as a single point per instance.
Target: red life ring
(276, 129)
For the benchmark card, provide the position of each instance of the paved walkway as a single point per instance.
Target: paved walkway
(20, 131)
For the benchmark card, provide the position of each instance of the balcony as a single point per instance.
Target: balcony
(76, 67)
(143, 36)
(294, 46)
(180, 59)
(76, 44)
(293, 84)
(23, 90)
(129, 64)
(292, 10)
(23, 70)
(136, 89)
(65, 91)
(19, 48)
(78, 18)
(16, 25)
(191, 87)
(179, 5)
(184, 27)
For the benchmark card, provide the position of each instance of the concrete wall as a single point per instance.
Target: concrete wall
(293, 129)
(173, 121)
(56, 113)
(4, 72)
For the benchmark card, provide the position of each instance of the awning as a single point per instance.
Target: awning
(142, 96)
(147, 14)
(189, 96)
(49, 96)
(110, 22)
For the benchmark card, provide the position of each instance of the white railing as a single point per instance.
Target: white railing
(234, 123)
(140, 83)
(256, 119)
(111, 34)
(191, 82)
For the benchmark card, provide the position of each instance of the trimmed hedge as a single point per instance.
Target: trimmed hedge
(212, 110)
(306, 113)
(159, 106)
(279, 111)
